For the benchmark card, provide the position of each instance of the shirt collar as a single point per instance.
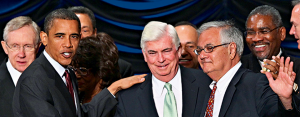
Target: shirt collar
(15, 74)
(58, 68)
(223, 83)
(158, 85)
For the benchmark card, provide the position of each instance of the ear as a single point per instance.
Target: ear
(95, 31)
(3, 43)
(38, 47)
(232, 50)
(283, 33)
(44, 38)
(144, 54)
(179, 50)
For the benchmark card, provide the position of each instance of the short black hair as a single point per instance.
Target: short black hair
(84, 10)
(59, 14)
(185, 23)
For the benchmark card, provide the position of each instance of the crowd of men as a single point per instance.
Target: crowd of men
(195, 72)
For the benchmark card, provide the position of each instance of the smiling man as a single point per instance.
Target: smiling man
(188, 36)
(264, 33)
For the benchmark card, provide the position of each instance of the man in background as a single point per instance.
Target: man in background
(265, 32)
(88, 28)
(21, 43)
(188, 36)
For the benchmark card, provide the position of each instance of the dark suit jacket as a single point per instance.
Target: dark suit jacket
(138, 101)
(41, 92)
(247, 95)
(125, 68)
(251, 62)
(7, 89)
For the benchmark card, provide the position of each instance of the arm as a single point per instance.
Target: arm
(104, 101)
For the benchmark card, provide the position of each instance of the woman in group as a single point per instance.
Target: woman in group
(95, 65)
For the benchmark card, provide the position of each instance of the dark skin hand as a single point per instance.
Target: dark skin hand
(272, 66)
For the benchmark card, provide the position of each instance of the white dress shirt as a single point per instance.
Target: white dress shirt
(60, 70)
(15, 74)
(159, 93)
(222, 85)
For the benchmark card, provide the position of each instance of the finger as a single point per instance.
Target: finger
(293, 76)
(286, 64)
(270, 79)
(290, 68)
(271, 67)
(262, 71)
(277, 59)
(281, 65)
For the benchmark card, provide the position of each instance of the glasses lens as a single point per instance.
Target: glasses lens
(83, 71)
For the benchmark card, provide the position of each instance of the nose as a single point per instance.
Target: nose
(21, 53)
(78, 76)
(257, 37)
(292, 31)
(161, 58)
(184, 52)
(202, 55)
(68, 42)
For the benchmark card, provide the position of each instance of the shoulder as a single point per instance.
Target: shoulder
(123, 63)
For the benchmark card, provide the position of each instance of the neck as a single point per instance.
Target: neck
(88, 95)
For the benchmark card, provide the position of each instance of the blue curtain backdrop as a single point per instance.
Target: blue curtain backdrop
(124, 20)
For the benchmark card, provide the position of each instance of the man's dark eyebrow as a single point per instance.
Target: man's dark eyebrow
(75, 34)
(151, 51)
(59, 34)
(262, 28)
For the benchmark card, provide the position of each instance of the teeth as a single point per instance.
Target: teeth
(184, 60)
(67, 54)
(258, 46)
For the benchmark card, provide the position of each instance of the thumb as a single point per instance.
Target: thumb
(270, 78)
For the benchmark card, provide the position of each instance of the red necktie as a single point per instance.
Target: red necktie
(210, 104)
(69, 84)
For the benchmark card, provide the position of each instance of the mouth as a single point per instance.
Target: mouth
(21, 62)
(184, 61)
(67, 54)
(162, 66)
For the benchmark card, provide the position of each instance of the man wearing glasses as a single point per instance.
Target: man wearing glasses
(188, 35)
(233, 90)
(21, 43)
(264, 33)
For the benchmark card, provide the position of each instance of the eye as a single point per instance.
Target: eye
(264, 32)
(15, 46)
(251, 33)
(74, 36)
(209, 48)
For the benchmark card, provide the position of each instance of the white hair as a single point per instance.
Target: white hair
(155, 29)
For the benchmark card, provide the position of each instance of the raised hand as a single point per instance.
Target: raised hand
(283, 85)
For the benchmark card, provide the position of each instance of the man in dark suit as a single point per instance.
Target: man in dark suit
(88, 28)
(21, 43)
(161, 49)
(48, 88)
(264, 34)
(234, 91)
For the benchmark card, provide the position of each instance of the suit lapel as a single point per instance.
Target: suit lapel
(60, 85)
(7, 84)
(145, 97)
(230, 91)
(254, 65)
(190, 91)
(75, 87)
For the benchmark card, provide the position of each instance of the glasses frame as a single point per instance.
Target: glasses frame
(79, 70)
(34, 46)
(260, 32)
(205, 49)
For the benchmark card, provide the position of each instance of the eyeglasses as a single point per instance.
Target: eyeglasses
(251, 34)
(81, 70)
(16, 47)
(207, 49)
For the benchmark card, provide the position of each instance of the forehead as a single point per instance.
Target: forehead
(26, 34)
(62, 26)
(186, 33)
(295, 12)
(160, 44)
(209, 36)
(258, 21)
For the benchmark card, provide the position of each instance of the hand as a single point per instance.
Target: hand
(125, 83)
(272, 66)
(283, 85)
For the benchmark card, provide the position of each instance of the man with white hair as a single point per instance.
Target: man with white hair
(171, 90)
(235, 91)
(21, 43)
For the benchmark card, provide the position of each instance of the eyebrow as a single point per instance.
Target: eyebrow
(85, 26)
(190, 42)
(75, 34)
(59, 34)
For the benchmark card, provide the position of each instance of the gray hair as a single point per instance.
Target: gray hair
(155, 29)
(295, 2)
(84, 10)
(20, 22)
(228, 33)
(59, 14)
(267, 11)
